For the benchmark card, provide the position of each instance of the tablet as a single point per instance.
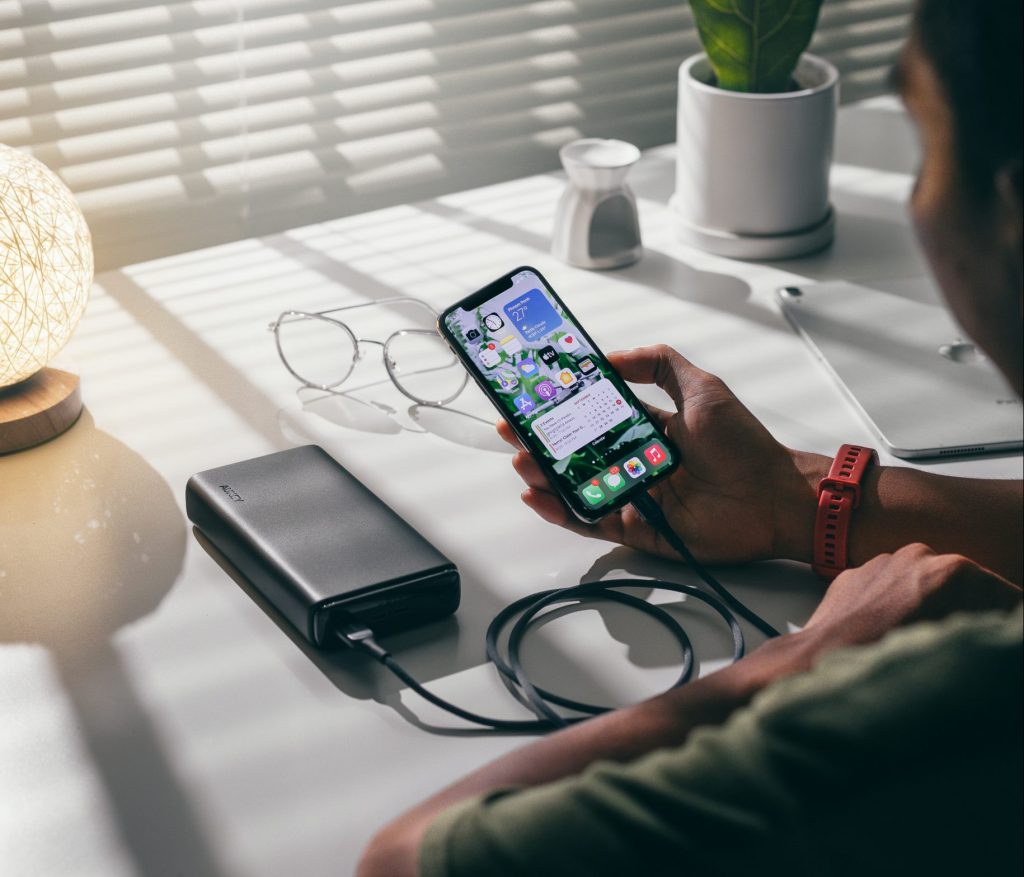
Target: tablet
(912, 372)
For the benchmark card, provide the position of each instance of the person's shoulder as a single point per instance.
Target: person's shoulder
(866, 732)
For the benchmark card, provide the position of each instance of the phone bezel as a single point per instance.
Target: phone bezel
(588, 514)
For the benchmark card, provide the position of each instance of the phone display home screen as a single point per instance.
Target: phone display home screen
(560, 391)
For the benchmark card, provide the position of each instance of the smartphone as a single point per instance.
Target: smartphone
(569, 408)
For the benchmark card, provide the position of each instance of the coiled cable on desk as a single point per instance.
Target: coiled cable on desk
(357, 635)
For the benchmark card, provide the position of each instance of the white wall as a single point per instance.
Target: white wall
(184, 124)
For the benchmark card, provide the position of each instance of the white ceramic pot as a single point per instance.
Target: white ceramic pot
(752, 169)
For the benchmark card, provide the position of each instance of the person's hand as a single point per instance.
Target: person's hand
(912, 584)
(735, 490)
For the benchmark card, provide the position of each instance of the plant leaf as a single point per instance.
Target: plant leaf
(754, 45)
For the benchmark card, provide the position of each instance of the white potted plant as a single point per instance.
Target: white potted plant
(755, 129)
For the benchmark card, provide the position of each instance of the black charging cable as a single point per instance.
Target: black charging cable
(356, 635)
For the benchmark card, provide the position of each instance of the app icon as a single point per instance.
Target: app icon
(656, 454)
(493, 322)
(592, 493)
(507, 380)
(614, 480)
(511, 345)
(524, 402)
(546, 390)
(587, 365)
(489, 355)
(566, 377)
(569, 343)
(548, 355)
(472, 334)
(528, 367)
(634, 468)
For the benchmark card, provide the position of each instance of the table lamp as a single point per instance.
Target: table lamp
(45, 274)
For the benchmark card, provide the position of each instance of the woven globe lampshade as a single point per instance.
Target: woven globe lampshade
(46, 269)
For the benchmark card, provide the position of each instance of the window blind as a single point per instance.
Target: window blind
(184, 124)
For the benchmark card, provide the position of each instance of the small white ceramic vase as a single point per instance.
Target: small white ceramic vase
(752, 169)
(596, 224)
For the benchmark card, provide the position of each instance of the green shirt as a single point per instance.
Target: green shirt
(903, 757)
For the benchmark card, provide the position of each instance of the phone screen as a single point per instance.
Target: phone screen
(557, 389)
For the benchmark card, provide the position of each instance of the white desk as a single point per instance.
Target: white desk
(155, 720)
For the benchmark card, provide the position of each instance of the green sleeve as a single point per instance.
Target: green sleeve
(906, 754)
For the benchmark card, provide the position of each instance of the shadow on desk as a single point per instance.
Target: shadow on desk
(711, 289)
(867, 246)
(431, 652)
(354, 674)
(384, 414)
(92, 541)
(784, 594)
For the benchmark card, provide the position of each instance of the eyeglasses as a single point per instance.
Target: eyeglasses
(321, 351)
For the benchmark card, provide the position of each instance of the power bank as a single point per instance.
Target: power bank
(320, 546)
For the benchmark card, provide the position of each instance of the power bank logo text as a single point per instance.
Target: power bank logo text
(231, 493)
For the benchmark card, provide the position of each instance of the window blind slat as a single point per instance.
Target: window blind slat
(314, 81)
(205, 121)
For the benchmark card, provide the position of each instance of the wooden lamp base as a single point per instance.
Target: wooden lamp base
(38, 409)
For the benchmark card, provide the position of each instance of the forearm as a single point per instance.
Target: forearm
(623, 735)
(978, 518)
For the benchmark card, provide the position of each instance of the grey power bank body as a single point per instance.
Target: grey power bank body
(319, 545)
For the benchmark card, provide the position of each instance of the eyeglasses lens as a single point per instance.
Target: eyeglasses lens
(318, 351)
(424, 367)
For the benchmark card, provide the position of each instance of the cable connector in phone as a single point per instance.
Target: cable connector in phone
(650, 511)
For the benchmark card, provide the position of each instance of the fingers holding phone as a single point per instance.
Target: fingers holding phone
(724, 497)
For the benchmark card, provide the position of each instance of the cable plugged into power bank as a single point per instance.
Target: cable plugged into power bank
(342, 567)
(360, 637)
(356, 635)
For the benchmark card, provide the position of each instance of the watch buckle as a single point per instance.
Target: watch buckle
(838, 485)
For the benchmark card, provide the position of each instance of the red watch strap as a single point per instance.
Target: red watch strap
(838, 496)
